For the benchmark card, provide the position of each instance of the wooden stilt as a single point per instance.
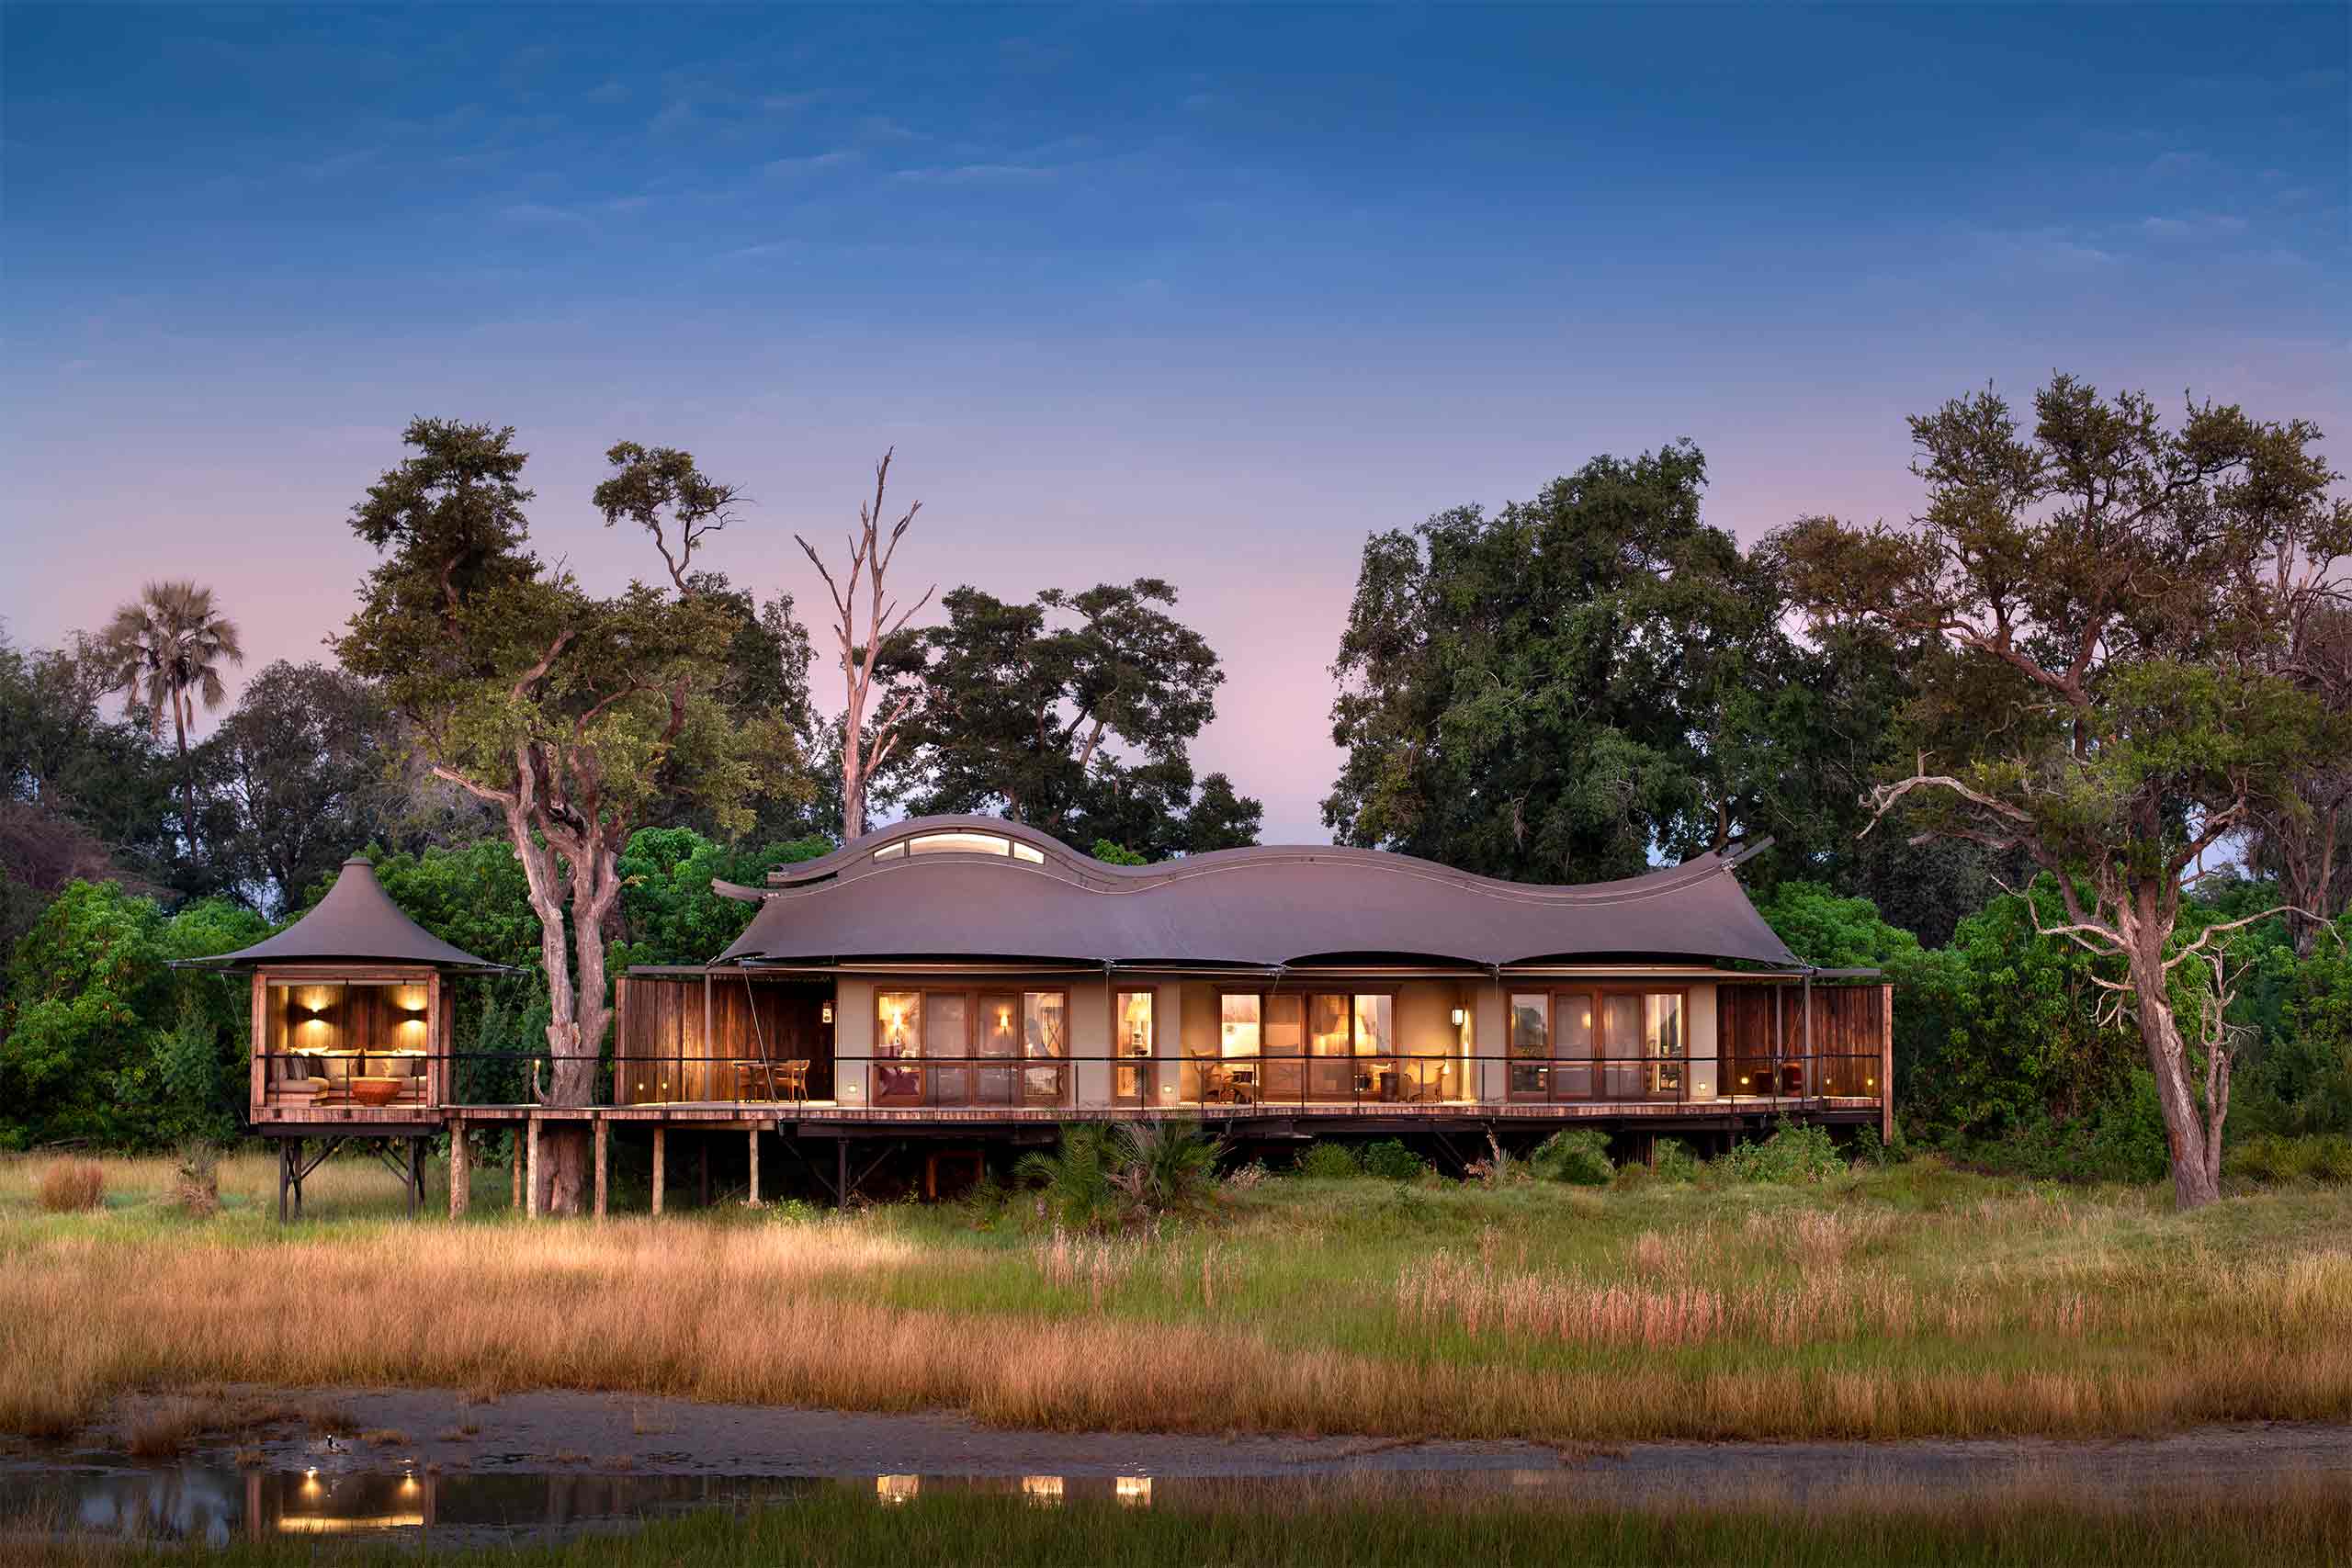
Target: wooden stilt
(841, 1173)
(753, 1136)
(531, 1168)
(603, 1139)
(461, 1171)
(515, 1176)
(702, 1170)
(659, 1151)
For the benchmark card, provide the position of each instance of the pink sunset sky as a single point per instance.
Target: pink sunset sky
(1219, 346)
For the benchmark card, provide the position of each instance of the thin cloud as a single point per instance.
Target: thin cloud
(539, 213)
(2193, 226)
(2043, 249)
(612, 90)
(811, 164)
(977, 174)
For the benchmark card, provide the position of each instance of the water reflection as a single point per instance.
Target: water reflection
(215, 1504)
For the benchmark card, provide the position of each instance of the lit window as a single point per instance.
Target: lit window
(1044, 1023)
(959, 844)
(1022, 851)
(898, 1023)
(1134, 1025)
(1238, 1024)
(891, 852)
(1373, 1035)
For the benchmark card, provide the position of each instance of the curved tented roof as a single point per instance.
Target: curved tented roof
(1037, 899)
(356, 923)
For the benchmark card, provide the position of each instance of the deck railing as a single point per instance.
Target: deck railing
(1209, 1083)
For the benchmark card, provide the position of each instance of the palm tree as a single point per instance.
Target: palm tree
(165, 648)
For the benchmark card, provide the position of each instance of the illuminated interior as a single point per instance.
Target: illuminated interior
(1133, 1037)
(1598, 1042)
(960, 843)
(348, 1042)
(971, 1047)
(1331, 1047)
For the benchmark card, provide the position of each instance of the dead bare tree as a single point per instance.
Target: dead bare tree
(865, 748)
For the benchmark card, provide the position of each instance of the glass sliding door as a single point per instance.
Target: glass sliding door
(1572, 1072)
(898, 1048)
(1662, 1035)
(1283, 1071)
(1377, 1074)
(946, 1043)
(1331, 1075)
(1624, 1052)
(1045, 1045)
(1132, 1043)
(995, 1080)
(1530, 1045)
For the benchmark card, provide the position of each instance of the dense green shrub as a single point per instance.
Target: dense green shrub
(1791, 1154)
(1119, 1175)
(1672, 1160)
(2119, 1139)
(1390, 1160)
(1577, 1156)
(2271, 1160)
(1330, 1162)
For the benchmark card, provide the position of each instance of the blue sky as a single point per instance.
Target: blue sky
(1202, 292)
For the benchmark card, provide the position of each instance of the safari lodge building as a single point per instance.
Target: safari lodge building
(970, 978)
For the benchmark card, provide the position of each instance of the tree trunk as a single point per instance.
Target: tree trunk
(852, 788)
(579, 1049)
(2192, 1135)
(188, 782)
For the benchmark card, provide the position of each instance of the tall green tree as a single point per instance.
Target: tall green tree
(1075, 713)
(1563, 690)
(572, 714)
(165, 649)
(306, 764)
(90, 797)
(2112, 601)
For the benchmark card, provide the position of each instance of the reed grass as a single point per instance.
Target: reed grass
(1910, 1303)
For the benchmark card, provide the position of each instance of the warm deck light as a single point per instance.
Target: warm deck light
(826, 1012)
(1461, 1017)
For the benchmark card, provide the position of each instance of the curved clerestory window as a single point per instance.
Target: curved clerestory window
(960, 843)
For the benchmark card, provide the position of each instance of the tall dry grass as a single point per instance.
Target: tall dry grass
(71, 1186)
(1480, 1315)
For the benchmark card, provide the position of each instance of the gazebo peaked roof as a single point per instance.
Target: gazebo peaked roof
(356, 922)
(1031, 897)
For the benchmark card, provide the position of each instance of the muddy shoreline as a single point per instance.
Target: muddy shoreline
(587, 1434)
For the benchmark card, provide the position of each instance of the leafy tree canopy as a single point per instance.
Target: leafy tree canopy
(1075, 713)
(2116, 611)
(1563, 690)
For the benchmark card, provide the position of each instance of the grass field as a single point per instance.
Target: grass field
(2271, 1525)
(1909, 1302)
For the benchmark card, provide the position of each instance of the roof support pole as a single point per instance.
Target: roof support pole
(1811, 1068)
(531, 1167)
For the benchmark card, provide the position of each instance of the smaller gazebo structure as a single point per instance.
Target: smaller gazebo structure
(350, 1028)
